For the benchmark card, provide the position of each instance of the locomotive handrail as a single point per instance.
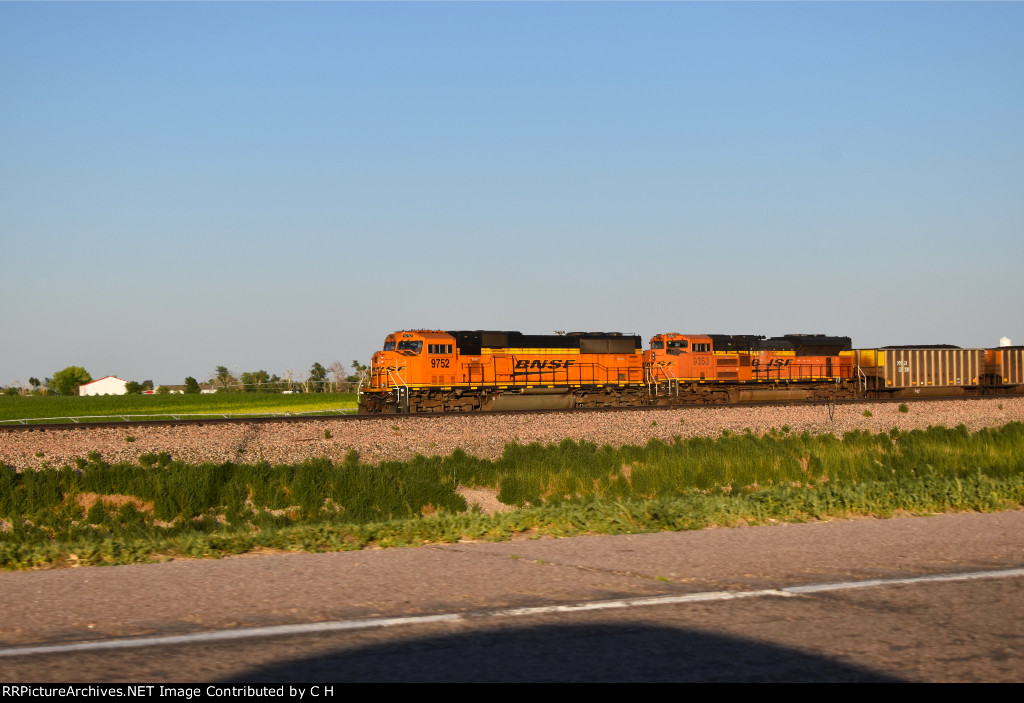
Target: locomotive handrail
(400, 381)
(670, 379)
(544, 376)
(796, 371)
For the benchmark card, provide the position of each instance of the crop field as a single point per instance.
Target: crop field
(109, 407)
(98, 513)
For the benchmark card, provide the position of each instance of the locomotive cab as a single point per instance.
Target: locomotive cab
(409, 359)
(681, 356)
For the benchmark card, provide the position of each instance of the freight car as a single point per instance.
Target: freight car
(459, 371)
(940, 369)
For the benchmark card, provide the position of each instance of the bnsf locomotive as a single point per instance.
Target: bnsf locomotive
(446, 371)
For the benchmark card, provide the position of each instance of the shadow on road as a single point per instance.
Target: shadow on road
(566, 653)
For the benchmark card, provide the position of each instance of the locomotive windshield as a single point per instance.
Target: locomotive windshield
(410, 347)
(676, 346)
(389, 346)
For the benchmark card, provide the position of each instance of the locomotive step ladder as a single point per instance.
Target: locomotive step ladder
(401, 387)
(654, 383)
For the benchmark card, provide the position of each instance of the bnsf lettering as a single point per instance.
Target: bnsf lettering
(772, 362)
(525, 365)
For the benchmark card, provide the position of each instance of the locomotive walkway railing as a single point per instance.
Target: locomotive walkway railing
(587, 374)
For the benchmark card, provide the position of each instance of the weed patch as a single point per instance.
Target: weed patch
(159, 508)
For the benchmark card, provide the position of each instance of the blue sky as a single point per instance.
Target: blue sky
(265, 185)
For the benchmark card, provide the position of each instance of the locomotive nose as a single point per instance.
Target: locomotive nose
(381, 363)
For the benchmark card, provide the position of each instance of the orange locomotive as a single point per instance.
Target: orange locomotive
(438, 371)
(688, 368)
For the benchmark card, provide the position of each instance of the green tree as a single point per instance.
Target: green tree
(317, 377)
(34, 382)
(67, 381)
(163, 390)
(133, 388)
(192, 385)
(254, 380)
(359, 369)
(147, 385)
(224, 378)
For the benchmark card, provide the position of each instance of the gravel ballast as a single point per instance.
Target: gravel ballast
(483, 435)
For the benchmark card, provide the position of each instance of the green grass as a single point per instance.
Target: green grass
(163, 508)
(34, 407)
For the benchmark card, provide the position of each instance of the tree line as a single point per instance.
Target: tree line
(320, 379)
(335, 378)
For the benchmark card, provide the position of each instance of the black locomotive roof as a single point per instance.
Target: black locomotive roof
(473, 341)
(800, 344)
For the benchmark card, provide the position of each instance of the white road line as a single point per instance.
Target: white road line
(970, 576)
(341, 625)
(631, 603)
(220, 635)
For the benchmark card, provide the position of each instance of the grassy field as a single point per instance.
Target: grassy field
(97, 513)
(115, 406)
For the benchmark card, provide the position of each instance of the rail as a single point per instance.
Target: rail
(86, 419)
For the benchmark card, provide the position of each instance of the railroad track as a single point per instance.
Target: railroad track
(28, 426)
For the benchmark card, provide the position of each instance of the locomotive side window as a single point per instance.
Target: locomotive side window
(439, 348)
(701, 347)
(412, 347)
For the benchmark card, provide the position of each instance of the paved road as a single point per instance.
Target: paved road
(713, 605)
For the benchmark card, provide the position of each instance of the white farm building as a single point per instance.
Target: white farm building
(108, 385)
